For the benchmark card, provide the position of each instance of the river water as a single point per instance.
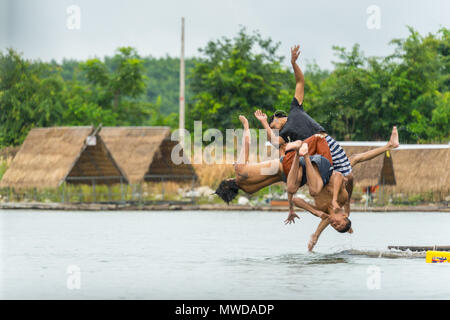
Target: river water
(217, 255)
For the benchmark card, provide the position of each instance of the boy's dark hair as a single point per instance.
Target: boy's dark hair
(347, 226)
(227, 190)
(278, 114)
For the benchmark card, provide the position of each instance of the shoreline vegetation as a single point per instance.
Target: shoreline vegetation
(233, 76)
(184, 195)
(230, 76)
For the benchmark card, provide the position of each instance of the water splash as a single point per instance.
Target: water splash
(391, 254)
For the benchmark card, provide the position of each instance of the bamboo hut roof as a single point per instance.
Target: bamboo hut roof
(422, 170)
(144, 153)
(49, 156)
(415, 169)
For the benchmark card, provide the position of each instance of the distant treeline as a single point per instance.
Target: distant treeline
(360, 99)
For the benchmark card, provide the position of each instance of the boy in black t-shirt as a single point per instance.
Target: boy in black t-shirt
(300, 126)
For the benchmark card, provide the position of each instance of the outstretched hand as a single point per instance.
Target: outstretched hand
(261, 116)
(295, 53)
(291, 218)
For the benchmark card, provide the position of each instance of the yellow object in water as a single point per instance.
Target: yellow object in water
(437, 257)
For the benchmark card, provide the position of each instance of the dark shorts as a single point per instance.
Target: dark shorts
(323, 165)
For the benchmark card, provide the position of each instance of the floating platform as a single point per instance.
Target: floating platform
(420, 248)
(437, 257)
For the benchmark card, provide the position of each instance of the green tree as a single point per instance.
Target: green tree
(418, 83)
(342, 94)
(362, 98)
(237, 76)
(30, 95)
(163, 82)
(118, 80)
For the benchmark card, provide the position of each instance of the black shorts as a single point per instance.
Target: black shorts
(322, 164)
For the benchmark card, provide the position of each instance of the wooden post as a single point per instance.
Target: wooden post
(62, 193)
(80, 193)
(182, 83)
(121, 189)
(192, 188)
(94, 198)
(270, 193)
(367, 197)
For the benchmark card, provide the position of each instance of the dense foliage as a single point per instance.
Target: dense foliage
(360, 99)
(237, 76)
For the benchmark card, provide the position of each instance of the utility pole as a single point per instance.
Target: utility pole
(182, 100)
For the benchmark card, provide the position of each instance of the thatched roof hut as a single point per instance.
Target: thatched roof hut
(50, 156)
(415, 168)
(144, 154)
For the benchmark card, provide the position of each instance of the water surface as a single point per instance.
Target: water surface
(218, 255)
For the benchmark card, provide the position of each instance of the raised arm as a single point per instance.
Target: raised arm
(299, 77)
(277, 141)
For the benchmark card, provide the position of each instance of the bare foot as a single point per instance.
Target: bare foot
(393, 141)
(312, 242)
(244, 122)
(294, 145)
(303, 150)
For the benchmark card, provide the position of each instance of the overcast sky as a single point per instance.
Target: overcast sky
(38, 28)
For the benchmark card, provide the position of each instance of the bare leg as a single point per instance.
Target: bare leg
(366, 156)
(253, 177)
(295, 174)
(293, 180)
(309, 147)
(313, 178)
(243, 156)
